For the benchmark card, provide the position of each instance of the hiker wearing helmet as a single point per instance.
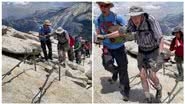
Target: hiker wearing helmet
(63, 45)
(44, 37)
(113, 48)
(177, 46)
(148, 35)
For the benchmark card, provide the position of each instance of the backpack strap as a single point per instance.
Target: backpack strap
(146, 15)
(147, 21)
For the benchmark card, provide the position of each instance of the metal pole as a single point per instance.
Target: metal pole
(83, 60)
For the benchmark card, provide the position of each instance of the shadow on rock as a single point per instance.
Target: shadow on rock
(80, 84)
(171, 75)
(137, 95)
(107, 87)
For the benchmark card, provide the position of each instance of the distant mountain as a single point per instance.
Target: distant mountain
(76, 19)
(23, 9)
(171, 21)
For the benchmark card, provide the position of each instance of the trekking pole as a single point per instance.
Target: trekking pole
(34, 61)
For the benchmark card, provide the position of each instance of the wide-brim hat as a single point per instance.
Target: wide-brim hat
(135, 11)
(59, 30)
(47, 22)
(106, 2)
(177, 29)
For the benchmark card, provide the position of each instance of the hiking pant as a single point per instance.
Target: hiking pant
(179, 61)
(62, 50)
(180, 69)
(78, 55)
(61, 55)
(70, 54)
(119, 55)
(87, 51)
(43, 46)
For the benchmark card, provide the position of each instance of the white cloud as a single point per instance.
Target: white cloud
(21, 3)
(153, 7)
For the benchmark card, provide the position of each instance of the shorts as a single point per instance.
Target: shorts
(150, 60)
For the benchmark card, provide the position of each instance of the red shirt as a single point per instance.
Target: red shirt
(178, 49)
(72, 41)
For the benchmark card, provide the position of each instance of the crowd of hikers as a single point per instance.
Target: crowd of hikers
(112, 29)
(75, 48)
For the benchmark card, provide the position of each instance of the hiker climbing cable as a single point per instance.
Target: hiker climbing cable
(113, 48)
(44, 36)
(63, 44)
(70, 51)
(147, 33)
(77, 49)
(177, 46)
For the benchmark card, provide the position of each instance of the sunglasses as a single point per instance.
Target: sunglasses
(104, 5)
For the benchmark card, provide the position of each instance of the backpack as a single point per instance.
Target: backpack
(146, 15)
(72, 41)
(62, 38)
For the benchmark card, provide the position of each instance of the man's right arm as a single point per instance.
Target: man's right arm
(40, 32)
(119, 33)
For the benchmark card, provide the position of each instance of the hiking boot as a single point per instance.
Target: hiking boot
(125, 92)
(147, 100)
(125, 97)
(115, 76)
